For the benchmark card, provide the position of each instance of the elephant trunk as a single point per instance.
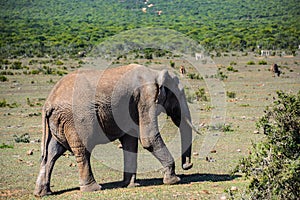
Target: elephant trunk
(186, 140)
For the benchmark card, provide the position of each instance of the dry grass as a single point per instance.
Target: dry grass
(254, 87)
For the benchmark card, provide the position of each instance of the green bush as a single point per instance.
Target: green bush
(3, 103)
(274, 164)
(230, 68)
(3, 78)
(231, 94)
(172, 64)
(250, 62)
(16, 65)
(200, 95)
(6, 146)
(194, 76)
(262, 62)
(58, 62)
(220, 75)
(24, 138)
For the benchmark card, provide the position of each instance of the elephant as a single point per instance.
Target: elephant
(90, 107)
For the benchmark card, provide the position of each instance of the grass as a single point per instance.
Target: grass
(206, 180)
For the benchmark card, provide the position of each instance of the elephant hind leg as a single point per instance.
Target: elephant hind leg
(86, 178)
(53, 150)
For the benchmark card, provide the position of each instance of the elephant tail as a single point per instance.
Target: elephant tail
(46, 132)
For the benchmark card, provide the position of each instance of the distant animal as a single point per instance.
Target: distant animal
(275, 70)
(90, 107)
(81, 54)
(182, 69)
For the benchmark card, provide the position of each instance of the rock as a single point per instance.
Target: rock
(233, 188)
(213, 151)
(195, 154)
(29, 152)
(256, 132)
(223, 198)
(72, 165)
(205, 192)
(238, 150)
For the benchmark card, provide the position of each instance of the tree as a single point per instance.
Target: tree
(274, 164)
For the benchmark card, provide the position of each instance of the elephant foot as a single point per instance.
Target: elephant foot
(170, 180)
(41, 191)
(90, 187)
(132, 185)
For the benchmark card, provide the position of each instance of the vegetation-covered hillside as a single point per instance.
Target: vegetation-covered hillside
(52, 27)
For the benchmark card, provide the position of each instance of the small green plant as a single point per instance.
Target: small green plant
(200, 95)
(232, 63)
(13, 105)
(29, 102)
(61, 72)
(172, 64)
(58, 62)
(273, 167)
(3, 78)
(34, 71)
(6, 146)
(6, 73)
(230, 68)
(221, 127)
(262, 62)
(245, 105)
(24, 138)
(231, 95)
(16, 65)
(194, 76)
(3, 103)
(220, 75)
(251, 62)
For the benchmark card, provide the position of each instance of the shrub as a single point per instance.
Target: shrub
(16, 65)
(3, 78)
(25, 138)
(6, 146)
(262, 62)
(200, 95)
(6, 73)
(221, 127)
(250, 62)
(274, 164)
(220, 75)
(230, 68)
(194, 76)
(231, 94)
(58, 62)
(172, 64)
(3, 103)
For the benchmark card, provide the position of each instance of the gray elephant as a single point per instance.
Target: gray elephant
(90, 107)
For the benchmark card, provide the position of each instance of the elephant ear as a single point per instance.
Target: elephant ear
(161, 84)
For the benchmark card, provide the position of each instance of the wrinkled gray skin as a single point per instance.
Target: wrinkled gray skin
(90, 107)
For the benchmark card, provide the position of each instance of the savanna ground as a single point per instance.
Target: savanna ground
(23, 95)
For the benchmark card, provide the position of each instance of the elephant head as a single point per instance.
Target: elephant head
(172, 98)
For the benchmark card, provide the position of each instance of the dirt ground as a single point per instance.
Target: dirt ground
(253, 86)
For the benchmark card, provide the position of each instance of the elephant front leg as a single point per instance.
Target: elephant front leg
(160, 151)
(130, 147)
